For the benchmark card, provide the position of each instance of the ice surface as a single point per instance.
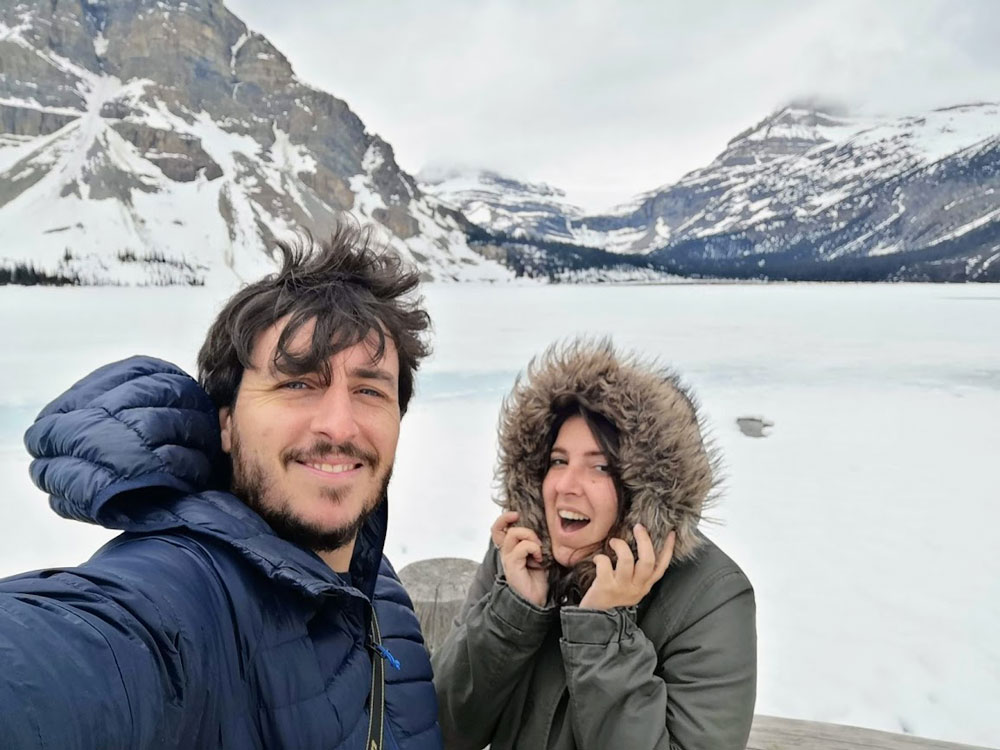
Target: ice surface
(866, 520)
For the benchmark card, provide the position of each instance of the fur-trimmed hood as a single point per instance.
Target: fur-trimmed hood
(668, 469)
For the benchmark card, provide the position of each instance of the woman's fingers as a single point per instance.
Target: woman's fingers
(646, 556)
(499, 528)
(517, 534)
(603, 565)
(624, 569)
(527, 548)
(666, 555)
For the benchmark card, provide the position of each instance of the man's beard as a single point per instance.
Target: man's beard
(251, 486)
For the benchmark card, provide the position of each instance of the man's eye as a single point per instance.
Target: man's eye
(295, 385)
(373, 392)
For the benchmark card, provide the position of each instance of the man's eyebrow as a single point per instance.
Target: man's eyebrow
(275, 372)
(373, 373)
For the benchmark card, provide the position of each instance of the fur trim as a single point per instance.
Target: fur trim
(667, 467)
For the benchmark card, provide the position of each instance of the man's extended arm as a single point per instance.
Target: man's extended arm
(110, 654)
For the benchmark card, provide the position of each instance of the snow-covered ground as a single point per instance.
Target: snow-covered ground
(866, 520)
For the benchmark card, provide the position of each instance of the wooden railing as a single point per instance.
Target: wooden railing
(773, 733)
(438, 588)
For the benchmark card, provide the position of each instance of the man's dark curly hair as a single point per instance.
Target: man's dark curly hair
(352, 289)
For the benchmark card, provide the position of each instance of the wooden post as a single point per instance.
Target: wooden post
(438, 588)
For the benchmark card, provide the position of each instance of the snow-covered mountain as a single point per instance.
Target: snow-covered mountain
(809, 193)
(161, 141)
(164, 142)
(504, 204)
(916, 197)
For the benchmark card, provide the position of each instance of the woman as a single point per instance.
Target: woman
(601, 618)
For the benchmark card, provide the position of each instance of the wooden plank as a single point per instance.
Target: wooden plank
(773, 733)
(438, 587)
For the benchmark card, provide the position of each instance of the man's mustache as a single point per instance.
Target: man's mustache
(323, 449)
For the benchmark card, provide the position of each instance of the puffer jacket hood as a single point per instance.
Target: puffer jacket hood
(667, 467)
(135, 446)
(137, 424)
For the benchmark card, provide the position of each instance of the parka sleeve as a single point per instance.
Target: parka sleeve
(479, 664)
(696, 691)
(89, 662)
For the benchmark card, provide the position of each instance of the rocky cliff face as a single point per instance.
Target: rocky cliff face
(164, 142)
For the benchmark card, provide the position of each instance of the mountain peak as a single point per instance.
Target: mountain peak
(166, 143)
(502, 203)
(454, 178)
(793, 129)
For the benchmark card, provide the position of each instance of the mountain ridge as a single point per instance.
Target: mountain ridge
(801, 188)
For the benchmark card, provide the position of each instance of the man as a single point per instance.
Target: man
(260, 617)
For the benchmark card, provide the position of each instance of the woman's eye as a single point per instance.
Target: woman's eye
(556, 461)
(603, 468)
(295, 385)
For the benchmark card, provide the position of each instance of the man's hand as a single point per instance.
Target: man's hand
(521, 558)
(625, 584)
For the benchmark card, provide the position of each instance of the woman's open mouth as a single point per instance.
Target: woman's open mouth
(570, 521)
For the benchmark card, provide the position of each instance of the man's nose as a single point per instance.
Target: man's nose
(335, 417)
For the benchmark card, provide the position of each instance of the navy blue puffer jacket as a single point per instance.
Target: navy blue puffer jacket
(197, 627)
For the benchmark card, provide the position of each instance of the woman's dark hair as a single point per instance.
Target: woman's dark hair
(568, 585)
(353, 290)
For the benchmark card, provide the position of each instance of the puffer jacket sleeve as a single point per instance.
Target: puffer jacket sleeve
(696, 691)
(91, 659)
(410, 701)
(478, 666)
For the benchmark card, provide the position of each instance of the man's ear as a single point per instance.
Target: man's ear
(226, 428)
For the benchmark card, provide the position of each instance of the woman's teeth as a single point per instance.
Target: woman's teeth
(570, 521)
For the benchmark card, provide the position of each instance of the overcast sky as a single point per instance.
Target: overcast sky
(609, 99)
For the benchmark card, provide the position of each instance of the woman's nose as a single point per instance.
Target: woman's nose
(568, 481)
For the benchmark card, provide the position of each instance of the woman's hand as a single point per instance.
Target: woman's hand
(521, 558)
(626, 584)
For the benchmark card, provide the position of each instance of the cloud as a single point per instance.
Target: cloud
(608, 99)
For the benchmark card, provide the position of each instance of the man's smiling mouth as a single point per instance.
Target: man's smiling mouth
(337, 468)
(330, 460)
(333, 468)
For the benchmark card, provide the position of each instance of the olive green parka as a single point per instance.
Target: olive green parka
(677, 672)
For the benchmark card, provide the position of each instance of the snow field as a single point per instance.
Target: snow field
(866, 519)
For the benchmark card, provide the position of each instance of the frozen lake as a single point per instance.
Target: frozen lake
(866, 520)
